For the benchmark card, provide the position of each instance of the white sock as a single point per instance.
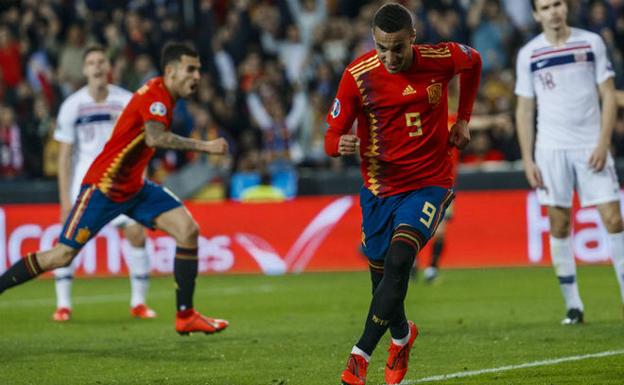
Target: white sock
(63, 279)
(360, 352)
(565, 268)
(403, 341)
(138, 269)
(617, 256)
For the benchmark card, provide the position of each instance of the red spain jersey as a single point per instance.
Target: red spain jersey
(118, 170)
(402, 117)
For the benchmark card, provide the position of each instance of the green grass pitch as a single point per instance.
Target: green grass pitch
(299, 329)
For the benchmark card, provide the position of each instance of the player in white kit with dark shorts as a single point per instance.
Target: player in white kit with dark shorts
(84, 124)
(567, 72)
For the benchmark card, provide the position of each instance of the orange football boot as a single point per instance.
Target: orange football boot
(355, 373)
(398, 357)
(142, 311)
(199, 323)
(62, 314)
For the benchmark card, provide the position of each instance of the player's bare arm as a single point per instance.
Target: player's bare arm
(64, 178)
(525, 112)
(598, 157)
(619, 98)
(347, 145)
(156, 135)
(469, 79)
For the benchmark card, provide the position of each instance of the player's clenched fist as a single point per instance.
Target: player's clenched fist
(217, 146)
(459, 135)
(348, 144)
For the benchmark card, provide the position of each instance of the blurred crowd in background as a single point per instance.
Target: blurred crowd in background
(271, 69)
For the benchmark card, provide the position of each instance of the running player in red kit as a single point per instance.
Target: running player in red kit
(115, 185)
(398, 94)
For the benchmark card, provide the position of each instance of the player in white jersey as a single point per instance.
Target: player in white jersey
(569, 74)
(84, 124)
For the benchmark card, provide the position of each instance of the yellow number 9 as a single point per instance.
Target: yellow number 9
(429, 210)
(412, 119)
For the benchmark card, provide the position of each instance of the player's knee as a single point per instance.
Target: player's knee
(189, 231)
(400, 257)
(613, 222)
(61, 257)
(66, 258)
(560, 228)
(398, 264)
(135, 235)
(403, 249)
(560, 219)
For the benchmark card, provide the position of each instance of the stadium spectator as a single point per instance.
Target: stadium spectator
(35, 133)
(141, 71)
(70, 59)
(492, 33)
(566, 72)
(278, 125)
(521, 15)
(240, 40)
(10, 59)
(11, 155)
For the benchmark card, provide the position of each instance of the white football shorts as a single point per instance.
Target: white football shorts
(564, 171)
(122, 221)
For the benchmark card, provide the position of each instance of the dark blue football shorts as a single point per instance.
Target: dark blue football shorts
(420, 209)
(93, 210)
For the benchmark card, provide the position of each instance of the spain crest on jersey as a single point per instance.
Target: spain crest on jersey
(434, 93)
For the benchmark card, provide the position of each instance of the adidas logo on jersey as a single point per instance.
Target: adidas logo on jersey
(409, 90)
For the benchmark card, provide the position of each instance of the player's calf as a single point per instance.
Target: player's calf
(34, 264)
(22, 271)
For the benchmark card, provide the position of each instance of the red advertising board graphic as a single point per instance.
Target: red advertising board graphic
(489, 228)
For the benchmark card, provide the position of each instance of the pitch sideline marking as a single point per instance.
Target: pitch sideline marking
(553, 361)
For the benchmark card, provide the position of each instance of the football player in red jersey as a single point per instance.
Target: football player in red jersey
(398, 94)
(115, 185)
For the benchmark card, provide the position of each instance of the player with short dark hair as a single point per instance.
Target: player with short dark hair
(565, 75)
(114, 185)
(172, 52)
(398, 94)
